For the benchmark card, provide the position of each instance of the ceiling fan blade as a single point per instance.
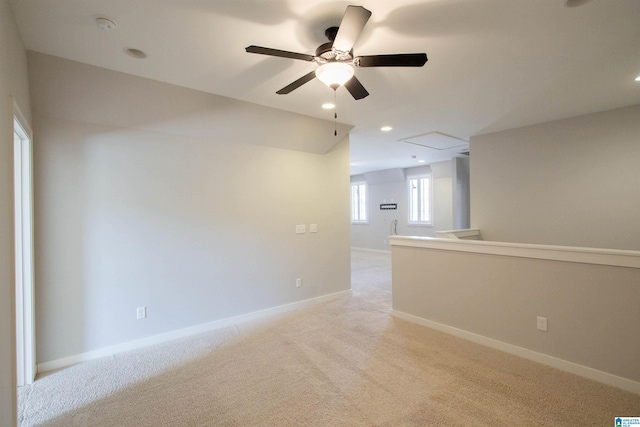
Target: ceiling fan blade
(398, 60)
(353, 21)
(295, 85)
(356, 89)
(276, 52)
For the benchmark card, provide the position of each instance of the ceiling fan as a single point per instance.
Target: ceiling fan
(335, 58)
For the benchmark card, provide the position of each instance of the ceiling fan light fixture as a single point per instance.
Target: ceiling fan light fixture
(334, 74)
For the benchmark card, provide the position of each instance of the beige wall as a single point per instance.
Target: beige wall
(592, 310)
(572, 182)
(195, 223)
(13, 84)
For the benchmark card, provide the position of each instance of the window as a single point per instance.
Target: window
(358, 202)
(420, 200)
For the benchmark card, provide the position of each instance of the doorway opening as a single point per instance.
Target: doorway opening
(24, 271)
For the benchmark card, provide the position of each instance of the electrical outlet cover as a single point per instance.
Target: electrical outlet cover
(542, 323)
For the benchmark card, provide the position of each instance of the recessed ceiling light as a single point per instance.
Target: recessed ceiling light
(105, 23)
(575, 3)
(328, 106)
(135, 53)
(638, 79)
(421, 161)
(386, 128)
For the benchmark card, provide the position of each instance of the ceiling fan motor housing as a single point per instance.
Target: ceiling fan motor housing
(324, 51)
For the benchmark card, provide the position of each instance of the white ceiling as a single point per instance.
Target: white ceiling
(493, 64)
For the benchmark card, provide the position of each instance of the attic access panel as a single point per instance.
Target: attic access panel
(437, 141)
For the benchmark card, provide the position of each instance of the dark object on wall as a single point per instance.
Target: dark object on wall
(388, 206)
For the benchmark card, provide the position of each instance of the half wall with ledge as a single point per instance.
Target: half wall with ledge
(492, 293)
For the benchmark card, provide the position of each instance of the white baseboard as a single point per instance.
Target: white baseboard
(181, 333)
(378, 251)
(554, 362)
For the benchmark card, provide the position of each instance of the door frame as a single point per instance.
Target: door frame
(24, 254)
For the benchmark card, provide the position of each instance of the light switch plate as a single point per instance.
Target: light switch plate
(313, 228)
(301, 229)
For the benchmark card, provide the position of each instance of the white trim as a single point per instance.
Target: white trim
(612, 257)
(23, 244)
(186, 332)
(554, 362)
(21, 118)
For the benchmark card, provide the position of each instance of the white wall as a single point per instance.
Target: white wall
(572, 182)
(386, 187)
(13, 84)
(194, 227)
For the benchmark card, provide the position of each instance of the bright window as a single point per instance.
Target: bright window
(359, 202)
(420, 200)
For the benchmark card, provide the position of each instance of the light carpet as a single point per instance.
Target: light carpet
(345, 362)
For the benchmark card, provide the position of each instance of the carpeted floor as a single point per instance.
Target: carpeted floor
(342, 363)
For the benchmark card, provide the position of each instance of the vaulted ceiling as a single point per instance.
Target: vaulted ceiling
(493, 64)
